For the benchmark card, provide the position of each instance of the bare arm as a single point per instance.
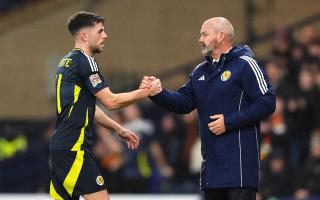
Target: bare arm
(114, 101)
(102, 119)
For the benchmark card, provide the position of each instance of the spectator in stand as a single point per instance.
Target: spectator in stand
(300, 117)
(310, 176)
(144, 167)
(281, 46)
(170, 139)
(308, 34)
(274, 131)
(277, 77)
(276, 179)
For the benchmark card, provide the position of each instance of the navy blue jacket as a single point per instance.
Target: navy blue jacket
(236, 87)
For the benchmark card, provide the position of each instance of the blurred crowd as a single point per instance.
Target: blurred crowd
(168, 159)
(290, 147)
(161, 163)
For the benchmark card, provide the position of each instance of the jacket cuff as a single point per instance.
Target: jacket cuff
(158, 96)
(227, 123)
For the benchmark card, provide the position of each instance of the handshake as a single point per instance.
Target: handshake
(151, 84)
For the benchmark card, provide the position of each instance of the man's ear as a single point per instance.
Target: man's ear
(221, 37)
(83, 36)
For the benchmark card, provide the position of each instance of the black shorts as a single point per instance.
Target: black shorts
(74, 173)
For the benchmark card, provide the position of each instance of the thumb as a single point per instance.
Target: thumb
(215, 116)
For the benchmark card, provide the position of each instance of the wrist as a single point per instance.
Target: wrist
(119, 129)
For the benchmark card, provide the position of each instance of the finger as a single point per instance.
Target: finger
(135, 146)
(133, 136)
(215, 124)
(128, 145)
(132, 145)
(216, 116)
(218, 132)
(134, 140)
(152, 78)
(211, 128)
(210, 125)
(144, 86)
(146, 82)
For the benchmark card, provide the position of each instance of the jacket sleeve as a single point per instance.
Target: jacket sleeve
(181, 101)
(259, 94)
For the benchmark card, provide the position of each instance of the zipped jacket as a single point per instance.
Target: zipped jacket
(238, 88)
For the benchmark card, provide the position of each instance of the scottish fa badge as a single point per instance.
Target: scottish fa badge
(225, 75)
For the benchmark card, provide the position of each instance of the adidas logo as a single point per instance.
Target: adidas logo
(201, 78)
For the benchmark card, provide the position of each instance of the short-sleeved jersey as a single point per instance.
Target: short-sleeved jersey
(77, 80)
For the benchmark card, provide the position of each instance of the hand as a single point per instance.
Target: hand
(155, 88)
(217, 126)
(146, 82)
(131, 138)
(166, 171)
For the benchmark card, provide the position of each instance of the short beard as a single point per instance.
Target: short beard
(96, 50)
(206, 52)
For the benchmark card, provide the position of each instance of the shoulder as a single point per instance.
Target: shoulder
(86, 62)
(248, 61)
(199, 67)
(74, 57)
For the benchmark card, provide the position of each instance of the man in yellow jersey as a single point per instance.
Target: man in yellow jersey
(78, 85)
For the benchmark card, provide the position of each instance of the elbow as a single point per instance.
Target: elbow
(112, 106)
(272, 105)
(181, 110)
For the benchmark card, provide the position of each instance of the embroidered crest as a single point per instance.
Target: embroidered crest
(100, 180)
(225, 75)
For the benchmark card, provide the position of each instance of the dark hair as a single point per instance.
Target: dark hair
(82, 19)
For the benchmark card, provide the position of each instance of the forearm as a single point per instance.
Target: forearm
(125, 99)
(115, 101)
(252, 114)
(174, 101)
(126, 135)
(103, 120)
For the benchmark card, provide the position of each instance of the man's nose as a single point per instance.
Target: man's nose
(105, 36)
(200, 39)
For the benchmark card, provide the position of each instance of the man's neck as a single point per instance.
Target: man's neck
(223, 51)
(84, 48)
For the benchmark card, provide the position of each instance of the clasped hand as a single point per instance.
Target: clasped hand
(152, 84)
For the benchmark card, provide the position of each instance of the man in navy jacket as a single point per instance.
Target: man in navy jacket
(232, 94)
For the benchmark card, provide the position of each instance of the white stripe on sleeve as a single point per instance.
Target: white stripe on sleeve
(259, 71)
(95, 67)
(90, 62)
(258, 74)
